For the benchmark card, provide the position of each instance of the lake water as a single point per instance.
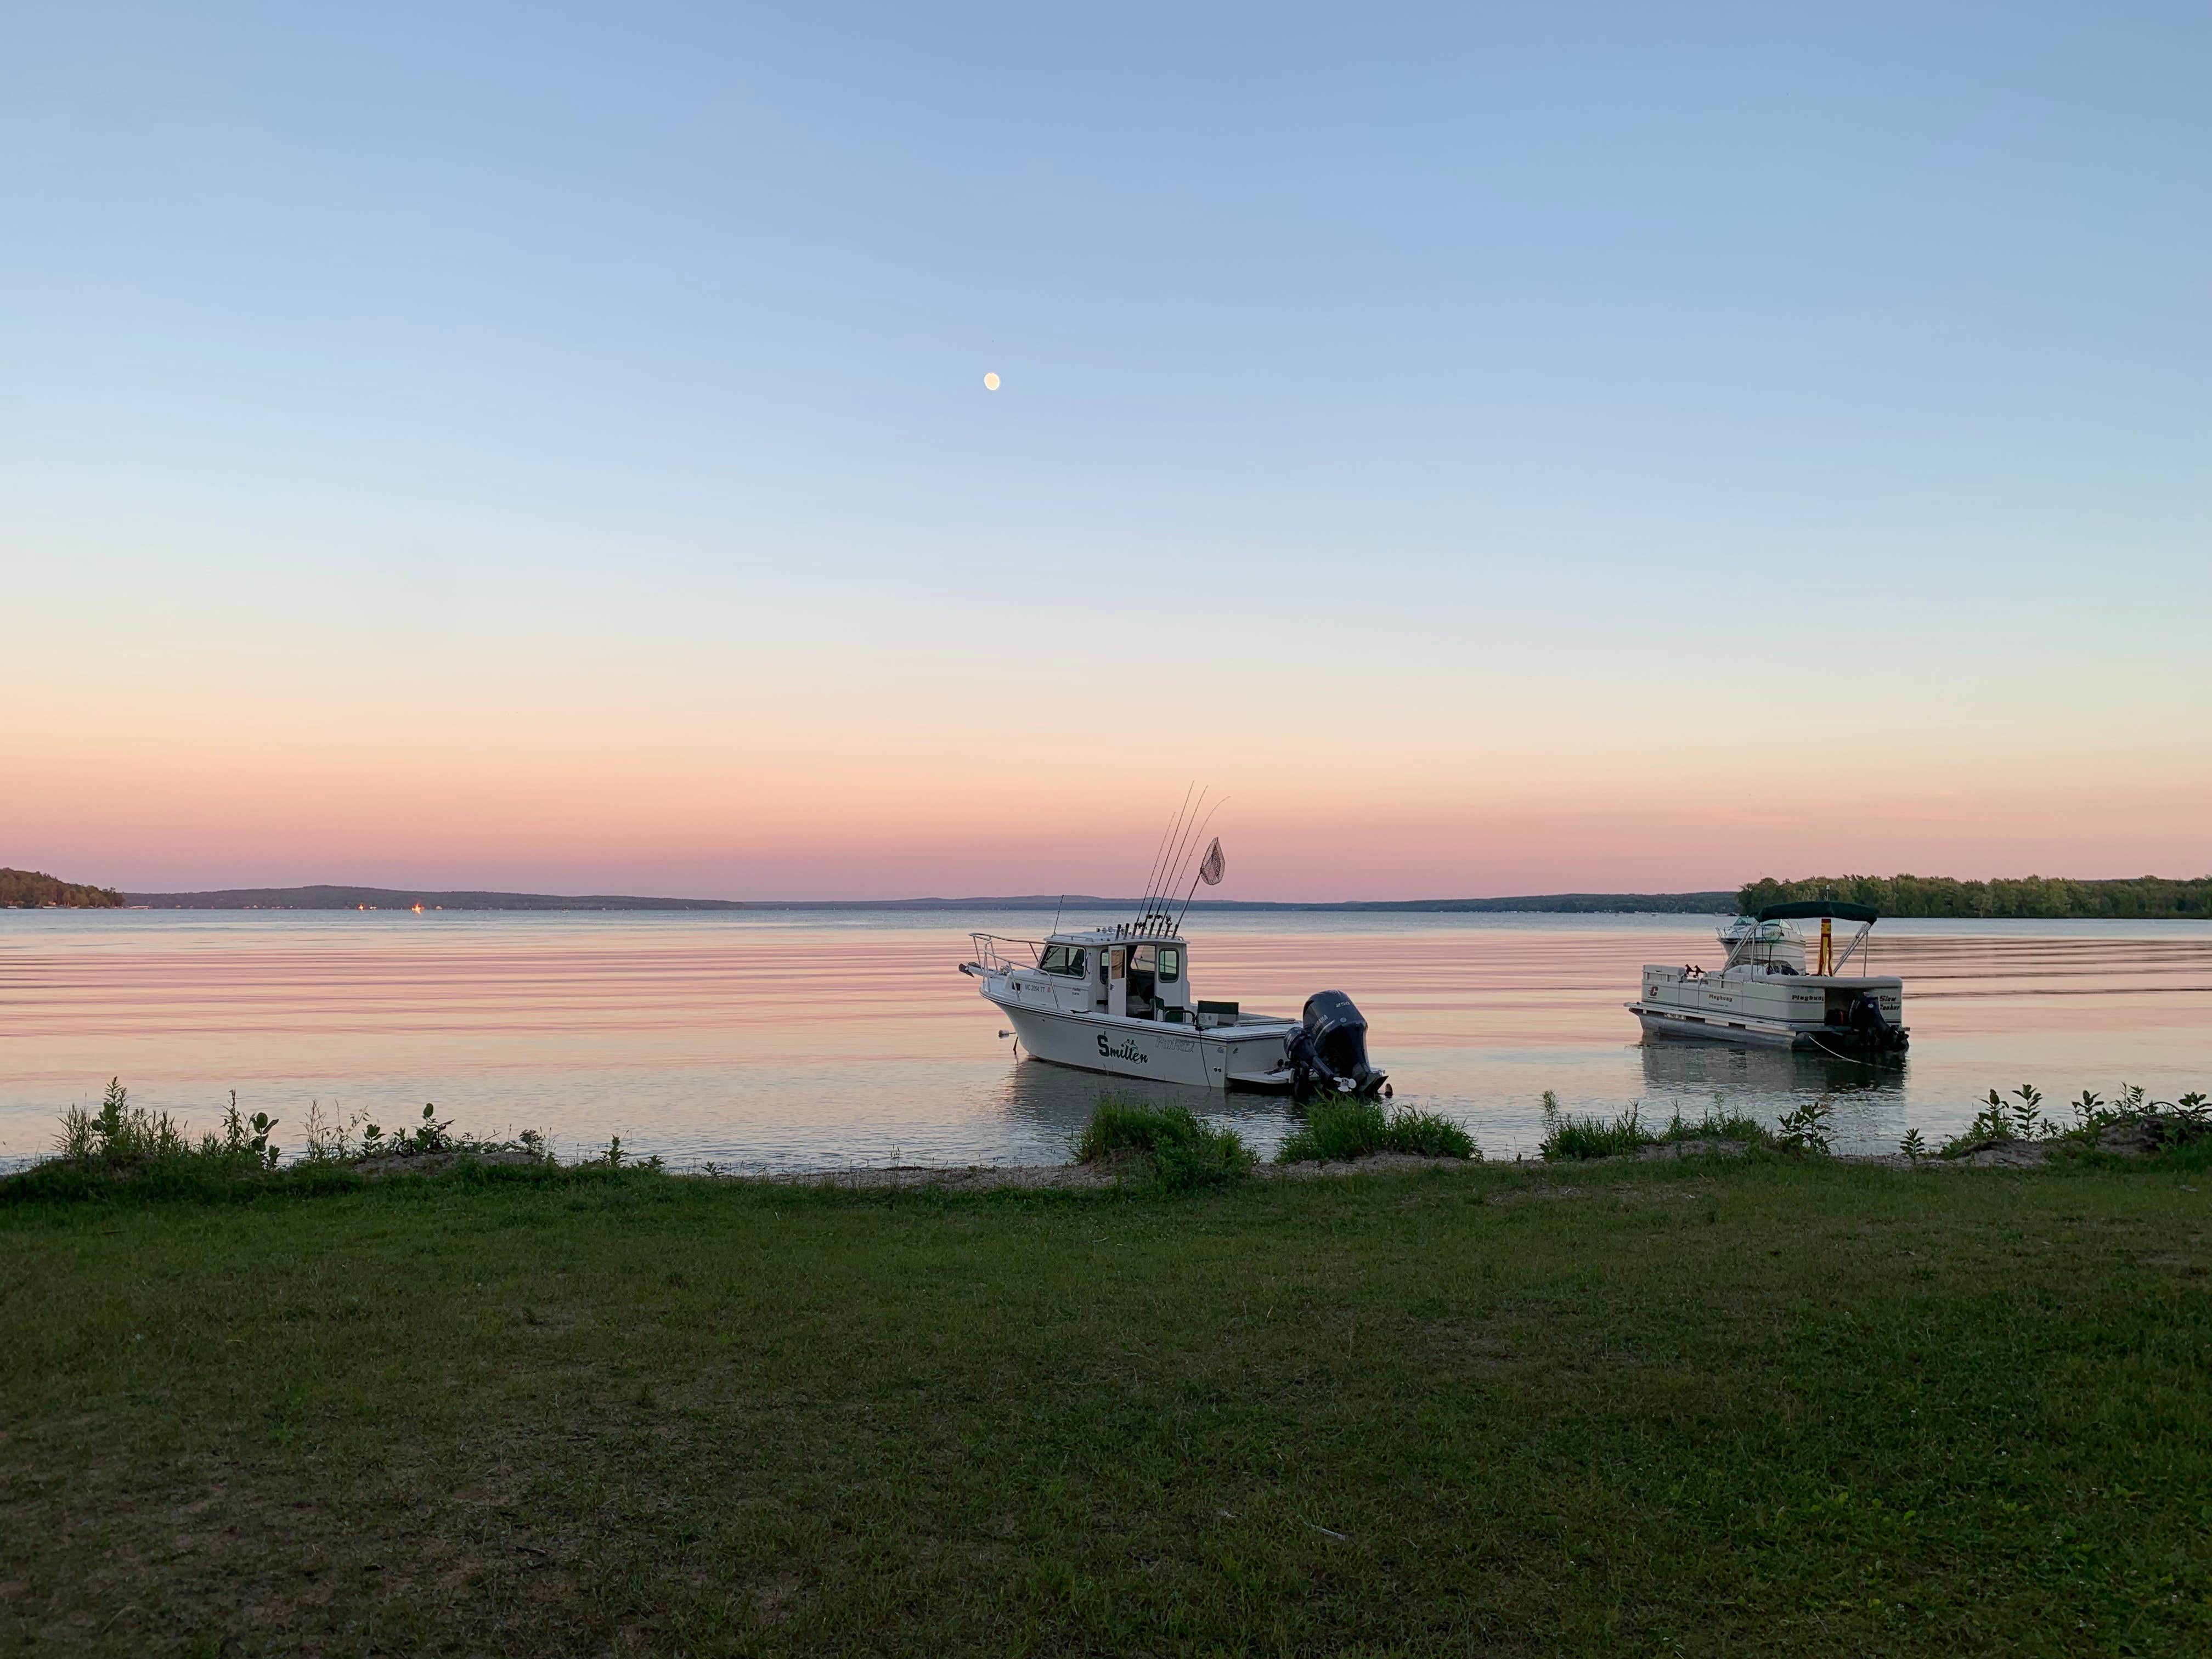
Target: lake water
(796, 1040)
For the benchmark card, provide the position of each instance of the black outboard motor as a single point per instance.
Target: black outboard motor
(1328, 1052)
(1871, 1027)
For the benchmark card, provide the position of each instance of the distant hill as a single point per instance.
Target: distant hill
(402, 898)
(2040, 899)
(1697, 904)
(29, 890)
(405, 898)
(1073, 903)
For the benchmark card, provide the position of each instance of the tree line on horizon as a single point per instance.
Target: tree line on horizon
(32, 889)
(2039, 898)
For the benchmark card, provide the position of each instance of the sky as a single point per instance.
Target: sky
(1497, 449)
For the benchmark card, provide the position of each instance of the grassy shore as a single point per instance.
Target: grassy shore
(1742, 1407)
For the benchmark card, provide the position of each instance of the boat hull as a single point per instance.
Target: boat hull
(1683, 1026)
(1225, 1058)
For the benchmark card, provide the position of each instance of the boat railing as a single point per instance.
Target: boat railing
(993, 959)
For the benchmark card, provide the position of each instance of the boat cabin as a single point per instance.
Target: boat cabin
(1114, 971)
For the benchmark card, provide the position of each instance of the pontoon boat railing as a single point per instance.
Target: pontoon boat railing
(989, 957)
(1753, 936)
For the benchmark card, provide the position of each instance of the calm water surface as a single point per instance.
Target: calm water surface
(788, 1040)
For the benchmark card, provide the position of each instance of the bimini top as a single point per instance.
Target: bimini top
(1798, 908)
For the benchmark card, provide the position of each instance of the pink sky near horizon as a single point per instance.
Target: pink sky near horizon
(587, 746)
(473, 806)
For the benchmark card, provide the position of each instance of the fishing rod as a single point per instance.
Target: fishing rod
(1164, 881)
(1174, 873)
(1153, 876)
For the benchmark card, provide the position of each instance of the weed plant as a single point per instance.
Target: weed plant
(1337, 1130)
(2020, 1117)
(1805, 1128)
(120, 1134)
(1181, 1152)
(421, 1140)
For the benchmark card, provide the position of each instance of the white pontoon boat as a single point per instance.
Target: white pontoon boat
(1762, 993)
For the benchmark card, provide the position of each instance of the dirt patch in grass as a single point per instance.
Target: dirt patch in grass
(979, 1177)
(434, 1163)
(1106, 1173)
(1543, 1191)
(1373, 1163)
(1692, 1148)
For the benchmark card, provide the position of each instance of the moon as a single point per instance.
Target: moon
(990, 383)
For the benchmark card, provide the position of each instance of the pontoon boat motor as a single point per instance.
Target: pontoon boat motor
(1870, 1028)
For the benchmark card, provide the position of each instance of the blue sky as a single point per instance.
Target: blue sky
(1438, 380)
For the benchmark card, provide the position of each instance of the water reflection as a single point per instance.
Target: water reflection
(1868, 1100)
(790, 1040)
(1675, 1069)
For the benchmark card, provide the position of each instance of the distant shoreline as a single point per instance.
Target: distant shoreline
(2144, 898)
(400, 898)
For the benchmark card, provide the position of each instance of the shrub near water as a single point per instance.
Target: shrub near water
(1182, 1150)
(122, 1136)
(1335, 1131)
(1568, 1137)
(2159, 1124)
(127, 1152)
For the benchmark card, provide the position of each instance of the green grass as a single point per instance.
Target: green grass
(1774, 1407)
(1335, 1130)
(1180, 1151)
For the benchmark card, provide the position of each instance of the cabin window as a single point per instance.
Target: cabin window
(1068, 959)
(1171, 962)
(1143, 964)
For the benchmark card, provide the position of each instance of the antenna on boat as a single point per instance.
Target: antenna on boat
(1056, 909)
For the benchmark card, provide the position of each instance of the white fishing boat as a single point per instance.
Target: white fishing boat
(1119, 998)
(1762, 993)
